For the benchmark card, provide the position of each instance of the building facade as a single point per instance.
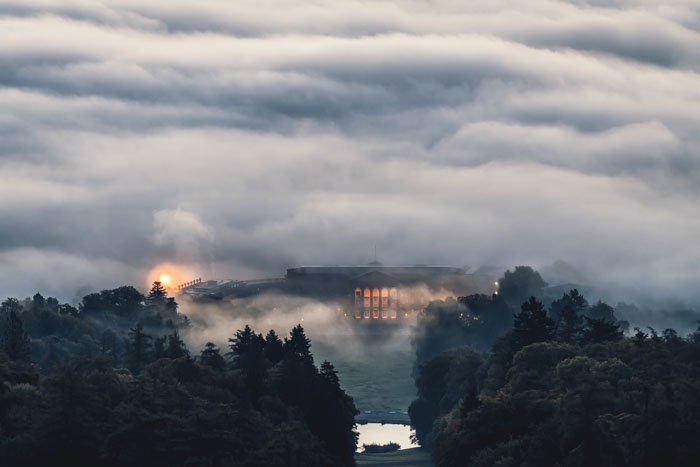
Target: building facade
(364, 292)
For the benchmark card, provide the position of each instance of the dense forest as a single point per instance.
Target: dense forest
(112, 383)
(511, 379)
(562, 385)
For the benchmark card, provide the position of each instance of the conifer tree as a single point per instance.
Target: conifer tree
(273, 347)
(532, 323)
(139, 348)
(211, 357)
(297, 346)
(15, 340)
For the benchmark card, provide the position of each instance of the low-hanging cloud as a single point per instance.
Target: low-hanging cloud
(259, 136)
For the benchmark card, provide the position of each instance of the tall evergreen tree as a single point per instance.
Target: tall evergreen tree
(157, 294)
(240, 344)
(139, 348)
(570, 326)
(572, 300)
(11, 304)
(297, 346)
(273, 347)
(532, 323)
(601, 330)
(176, 346)
(15, 340)
(211, 357)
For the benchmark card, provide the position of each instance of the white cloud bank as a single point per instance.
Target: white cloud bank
(265, 135)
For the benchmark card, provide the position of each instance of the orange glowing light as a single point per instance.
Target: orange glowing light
(166, 280)
(171, 276)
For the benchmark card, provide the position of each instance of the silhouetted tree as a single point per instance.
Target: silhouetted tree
(572, 300)
(332, 416)
(122, 301)
(532, 323)
(53, 305)
(247, 354)
(297, 346)
(138, 348)
(15, 341)
(125, 300)
(570, 326)
(601, 311)
(109, 347)
(211, 357)
(11, 304)
(38, 302)
(159, 347)
(240, 344)
(523, 282)
(65, 309)
(273, 347)
(161, 309)
(176, 346)
(157, 294)
(600, 330)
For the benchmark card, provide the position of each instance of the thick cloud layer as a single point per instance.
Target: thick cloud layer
(236, 139)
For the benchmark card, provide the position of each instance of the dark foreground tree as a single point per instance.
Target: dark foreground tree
(296, 347)
(139, 348)
(601, 330)
(211, 357)
(532, 323)
(520, 284)
(15, 340)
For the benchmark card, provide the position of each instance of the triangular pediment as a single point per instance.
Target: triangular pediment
(376, 278)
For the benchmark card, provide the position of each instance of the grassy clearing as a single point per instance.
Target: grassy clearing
(374, 367)
(414, 457)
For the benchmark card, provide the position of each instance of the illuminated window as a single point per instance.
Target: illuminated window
(367, 298)
(385, 298)
(375, 298)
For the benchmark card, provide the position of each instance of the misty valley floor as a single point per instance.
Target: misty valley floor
(374, 367)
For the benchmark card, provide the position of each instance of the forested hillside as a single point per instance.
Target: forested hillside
(562, 386)
(112, 383)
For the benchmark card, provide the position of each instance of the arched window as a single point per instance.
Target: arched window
(358, 303)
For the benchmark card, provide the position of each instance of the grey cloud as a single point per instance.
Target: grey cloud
(239, 141)
(629, 148)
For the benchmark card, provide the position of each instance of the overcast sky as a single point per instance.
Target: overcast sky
(236, 139)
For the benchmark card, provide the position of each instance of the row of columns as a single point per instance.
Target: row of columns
(376, 303)
(190, 283)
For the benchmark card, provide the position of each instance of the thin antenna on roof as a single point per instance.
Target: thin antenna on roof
(375, 252)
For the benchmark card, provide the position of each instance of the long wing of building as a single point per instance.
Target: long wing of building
(373, 291)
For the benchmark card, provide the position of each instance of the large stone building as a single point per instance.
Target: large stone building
(367, 292)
